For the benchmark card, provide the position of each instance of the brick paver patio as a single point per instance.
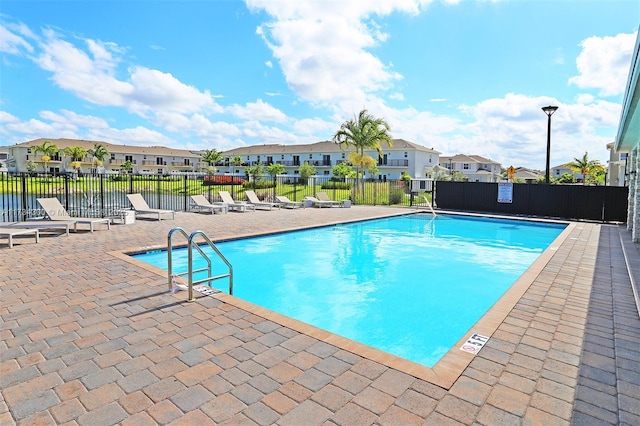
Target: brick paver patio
(89, 338)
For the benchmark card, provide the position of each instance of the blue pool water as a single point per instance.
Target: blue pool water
(410, 285)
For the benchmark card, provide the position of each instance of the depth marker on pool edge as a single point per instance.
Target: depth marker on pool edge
(474, 343)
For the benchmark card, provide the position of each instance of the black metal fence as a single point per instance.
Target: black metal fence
(103, 195)
(601, 203)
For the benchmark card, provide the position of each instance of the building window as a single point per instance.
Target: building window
(282, 157)
(343, 155)
(465, 166)
(310, 156)
(405, 155)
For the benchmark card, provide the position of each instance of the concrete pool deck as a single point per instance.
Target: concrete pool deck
(89, 338)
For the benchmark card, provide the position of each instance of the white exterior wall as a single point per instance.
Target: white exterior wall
(142, 163)
(416, 160)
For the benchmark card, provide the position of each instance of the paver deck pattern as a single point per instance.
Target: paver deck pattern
(88, 338)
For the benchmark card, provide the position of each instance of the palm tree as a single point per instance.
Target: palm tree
(99, 153)
(211, 157)
(588, 168)
(364, 132)
(236, 161)
(48, 150)
(77, 153)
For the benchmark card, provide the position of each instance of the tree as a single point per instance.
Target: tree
(590, 169)
(31, 166)
(255, 171)
(343, 170)
(77, 153)
(48, 150)
(363, 132)
(565, 178)
(126, 167)
(275, 169)
(236, 161)
(362, 162)
(306, 171)
(212, 157)
(458, 176)
(98, 153)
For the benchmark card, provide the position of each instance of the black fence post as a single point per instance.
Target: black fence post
(103, 209)
(186, 194)
(24, 196)
(66, 192)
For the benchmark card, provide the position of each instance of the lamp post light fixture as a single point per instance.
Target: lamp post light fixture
(549, 110)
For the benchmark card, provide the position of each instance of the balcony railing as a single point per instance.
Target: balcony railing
(394, 163)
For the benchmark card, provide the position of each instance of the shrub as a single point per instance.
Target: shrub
(336, 185)
(396, 196)
(222, 180)
(259, 184)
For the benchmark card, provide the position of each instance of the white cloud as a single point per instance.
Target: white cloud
(322, 46)
(153, 90)
(139, 136)
(70, 118)
(604, 63)
(258, 110)
(12, 43)
(5, 117)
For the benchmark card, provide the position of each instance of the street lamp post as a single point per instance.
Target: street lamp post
(549, 110)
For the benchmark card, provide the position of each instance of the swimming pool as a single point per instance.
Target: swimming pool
(411, 285)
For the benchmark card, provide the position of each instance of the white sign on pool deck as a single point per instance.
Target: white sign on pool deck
(474, 343)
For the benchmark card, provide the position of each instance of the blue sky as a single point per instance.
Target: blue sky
(458, 76)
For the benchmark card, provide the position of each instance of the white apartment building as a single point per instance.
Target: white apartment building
(617, 167)
(145, 160)
(403, 156)
(474, 167)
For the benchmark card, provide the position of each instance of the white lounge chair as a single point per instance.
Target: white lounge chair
(140, 206)
(12, 232)
(253, 199)
(200, 202)
(43, 225)
(235, 205)
(57, 213)
(285, 202)
(322, 196)
(318, 203)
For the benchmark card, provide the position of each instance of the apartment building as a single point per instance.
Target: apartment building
(144, 160)
(403, 156)
(474, 167)
(617, 167)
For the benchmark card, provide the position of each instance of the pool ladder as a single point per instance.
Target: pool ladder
(191, 271)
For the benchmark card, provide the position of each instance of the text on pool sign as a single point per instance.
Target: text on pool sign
(474, 343)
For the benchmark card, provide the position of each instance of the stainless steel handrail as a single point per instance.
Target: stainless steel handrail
(191, 271)
(190, 244)
(170, 251)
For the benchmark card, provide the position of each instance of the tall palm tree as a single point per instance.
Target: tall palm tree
(99, 153)
(77, 153)
(236, 161)
(48, 150)
(364, 132)
(212, 157)
(585, 166)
